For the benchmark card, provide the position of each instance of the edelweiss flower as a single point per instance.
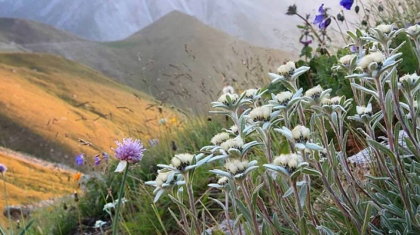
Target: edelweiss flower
(228, 89)
(314, 92)
(224, 100)
(260, 114)
(180, 161)
(284, 97)
(336, 100)
(361, 110)
(289, 161)
(162, 177)
(223, 181)
(234, 129)
(220, 138)
(237, 166)
(236, 143)
(250, 93)
(286, 69)
(345, 60)
(300, 134)
(384, 28)
(377, 57)
(411, 79)
(413, 30)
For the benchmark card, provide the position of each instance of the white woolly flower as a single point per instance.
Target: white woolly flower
(180, 161)
(223, 181)
(162, 177)
(415, 29)
(384, 28)
(377, 57)
(314, 92)
(234, 129)
(250, 93)
(336, 100)
(290, 161)
(286, 69)
(219, 138)
(345, 60)
(300, 133)
(237, 166)
(223, 99)
(326, 101)
(284, 97)
(228, 89)
(236, 143)
(410, 78)
(364, 110)
(260, 113)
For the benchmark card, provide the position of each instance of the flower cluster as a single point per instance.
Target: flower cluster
(261, 113)
(287, 69)
(301, 134)
(288, 161)
(220, 138)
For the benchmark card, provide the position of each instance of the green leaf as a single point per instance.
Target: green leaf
(364, 89)
(366, 220)
(244, 210)
(310, 171)
(303, 227)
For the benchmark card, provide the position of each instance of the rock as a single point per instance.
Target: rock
(17, 212)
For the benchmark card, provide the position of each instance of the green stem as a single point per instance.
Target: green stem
(120, 194)
(7, 205)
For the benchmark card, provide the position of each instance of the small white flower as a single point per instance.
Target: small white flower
(413, 30)
(286, 69)
(284, 97)
(377, 57)
(180, 161)
(290, 161)
(361, 110)
(384, 28)
(220, 138)
(223, 181)
(223, 99)
(326, 101)
(237, 166)
(314, 92)
(260, 113)
(234, 129)
(300, 133)
(163, 121)
(250, 93)
(410, 78)
(345, 60)
(162, 177)
(228, 89)
(99, 224)
(336, 100)
(108, 206)
(236, 143)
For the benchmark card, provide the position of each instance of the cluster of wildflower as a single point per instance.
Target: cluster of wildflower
(287, 69)
(288, 161)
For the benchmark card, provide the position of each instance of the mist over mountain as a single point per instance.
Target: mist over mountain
(263, 22)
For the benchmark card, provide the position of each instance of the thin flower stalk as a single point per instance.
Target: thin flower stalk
(120, 196)
(191, 200)
(247, 197)
(227, 211)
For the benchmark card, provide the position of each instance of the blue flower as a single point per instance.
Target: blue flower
(80, 159)
(3, 168)
(105, 156)
(346, 3)
(97, 160)
(153, 142)
(322, 18)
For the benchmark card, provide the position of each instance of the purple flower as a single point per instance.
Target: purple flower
(80, 159)
(306, 43)
(353, 49)
(324, 24)
(153, 142)
(129, 150)
(346, 3)
(97, 160)
(105, 156)
(3, 168)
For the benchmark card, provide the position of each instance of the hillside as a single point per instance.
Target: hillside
(177, 59)
(50, 102)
